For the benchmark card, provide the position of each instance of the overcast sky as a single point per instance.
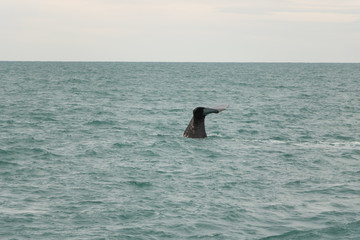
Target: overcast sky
(180, 30)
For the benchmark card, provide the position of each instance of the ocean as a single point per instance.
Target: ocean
(96, 151)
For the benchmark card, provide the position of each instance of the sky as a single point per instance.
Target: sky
(180, 30)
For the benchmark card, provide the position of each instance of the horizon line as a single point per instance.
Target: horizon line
(110, 61)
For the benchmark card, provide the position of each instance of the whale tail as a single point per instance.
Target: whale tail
(196, 127)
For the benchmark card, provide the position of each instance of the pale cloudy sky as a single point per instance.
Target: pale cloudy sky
(180, 30)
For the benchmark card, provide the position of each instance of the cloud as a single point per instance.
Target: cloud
(326, 17)
(327, 5)
(177, 29)
(296, 10)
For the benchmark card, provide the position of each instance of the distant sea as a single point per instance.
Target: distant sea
(96, 151)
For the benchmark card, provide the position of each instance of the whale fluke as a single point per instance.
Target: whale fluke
(196, 127)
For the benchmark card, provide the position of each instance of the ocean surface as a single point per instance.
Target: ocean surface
(96, 151)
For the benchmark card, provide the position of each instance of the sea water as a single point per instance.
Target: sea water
(96, 151)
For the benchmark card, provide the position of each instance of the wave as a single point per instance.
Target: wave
(4, 163)
(123, 145)
(101, 122)
(339, 231)
(346, 145)
(34, 152)
(139, 184)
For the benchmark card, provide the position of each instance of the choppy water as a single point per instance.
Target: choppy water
(95, 151)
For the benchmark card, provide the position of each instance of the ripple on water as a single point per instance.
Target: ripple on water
(95, 150)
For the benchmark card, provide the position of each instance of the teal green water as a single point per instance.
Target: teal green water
(95, 151)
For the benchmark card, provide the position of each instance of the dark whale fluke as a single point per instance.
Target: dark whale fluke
(196, 127)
